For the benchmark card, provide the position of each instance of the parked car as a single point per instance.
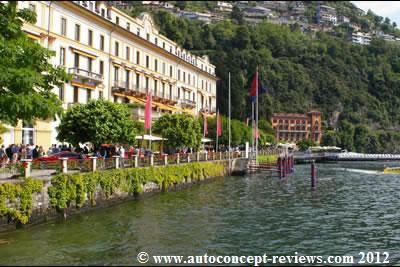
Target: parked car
(63, 154)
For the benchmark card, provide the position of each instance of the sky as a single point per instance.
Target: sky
(390, 9)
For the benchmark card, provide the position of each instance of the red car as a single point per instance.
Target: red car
(63, 154)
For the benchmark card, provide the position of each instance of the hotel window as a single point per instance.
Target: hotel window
(63, 26)
(155, 87)
(116, 71)
(179, 74)
(163, 45)
(116, 49)
(193, 97)
(170, 49)
(184, 76)
(163, 67)
(88, 94)
(101, 67)
(137, 57)
(103, 12)
(202, 85)
(62, 56)
(170, 91)
(76, 60)
(138, 31)
(163, 90)
(61, 92)
(76, 94)
(179, 92)
(91, 5)
(90, 37)
(188, 78)
(137, 80)
(127, 53)
(117, 20)
(147, 84)
(128, 26)
(90, 64)
(155, 65)
(147, 61)
(127, 76)
(148, 37)
(102, 42)
(156, 40)
(77, 32)
(170, 71)
(100, 94)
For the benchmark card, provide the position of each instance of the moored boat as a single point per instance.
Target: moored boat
(391, 170)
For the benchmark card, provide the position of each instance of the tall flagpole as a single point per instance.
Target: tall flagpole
(252, 129)
(216, 146)
(229, 124)
(256, 116)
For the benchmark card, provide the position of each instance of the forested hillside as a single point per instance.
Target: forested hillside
(356, 87)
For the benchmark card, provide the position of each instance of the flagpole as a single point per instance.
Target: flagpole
(216, 146)
(252, 129)
(257, 116)
(229, 124)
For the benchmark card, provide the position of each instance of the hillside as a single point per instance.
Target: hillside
(356, 87)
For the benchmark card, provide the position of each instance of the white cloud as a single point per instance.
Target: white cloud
(390, 9)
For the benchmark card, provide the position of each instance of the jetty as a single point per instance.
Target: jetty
(300, 157)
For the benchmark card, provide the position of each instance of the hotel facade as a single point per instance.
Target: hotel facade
(113, 56)
(290, 127)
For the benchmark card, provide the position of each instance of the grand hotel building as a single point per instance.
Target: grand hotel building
(116, 57)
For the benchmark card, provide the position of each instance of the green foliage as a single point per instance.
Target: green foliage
(267, 159)
(327, 73)
(26, 77)
(305, 144)
(71, 189)
(21, 195)
(98, 122)
(3, 130)
(180, 130)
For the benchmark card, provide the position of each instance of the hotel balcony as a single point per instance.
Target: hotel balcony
(165, 98)
(121, 86)
(85, 77)
(187, 103)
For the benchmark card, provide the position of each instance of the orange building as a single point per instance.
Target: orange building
(292, 127)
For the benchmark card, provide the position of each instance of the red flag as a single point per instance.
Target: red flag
(219, 129)
(255, 132)
(253, 89)
(205, 131)
(147, 112)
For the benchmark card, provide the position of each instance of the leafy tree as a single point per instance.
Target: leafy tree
(26, 77)
(180, 130)
(237, 15)
(305, 144)
(98, 122)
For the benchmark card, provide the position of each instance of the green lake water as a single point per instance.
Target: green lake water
(354, 209)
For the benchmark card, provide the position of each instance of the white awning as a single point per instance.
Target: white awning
(206, 140)
(150, 137)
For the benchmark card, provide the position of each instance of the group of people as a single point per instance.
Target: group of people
(14, 153)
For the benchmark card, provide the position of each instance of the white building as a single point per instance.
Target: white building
(224, 6)
(328, 15)
(361, 38)
(116, 57)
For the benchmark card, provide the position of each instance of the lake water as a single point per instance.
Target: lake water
(354, 209)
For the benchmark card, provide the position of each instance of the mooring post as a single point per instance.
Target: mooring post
(64, 165)
(313, 175)
(166, 159)
(280, 169)
(94, 163)
(177, 158)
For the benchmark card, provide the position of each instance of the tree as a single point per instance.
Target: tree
(181, 4)
(180, 130)
(305, 144)
(26, 77)
(98, 122)
(237, 15)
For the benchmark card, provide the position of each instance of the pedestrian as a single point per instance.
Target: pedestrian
(15, 153)
(35, 152)
(50, 151)
(29, 152)
(9, 152)
(41, 152)
(122, 156)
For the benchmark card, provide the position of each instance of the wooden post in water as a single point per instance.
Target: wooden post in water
(313, 176)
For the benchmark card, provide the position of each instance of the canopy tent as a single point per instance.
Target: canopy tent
(150, 137)
(206, 140)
